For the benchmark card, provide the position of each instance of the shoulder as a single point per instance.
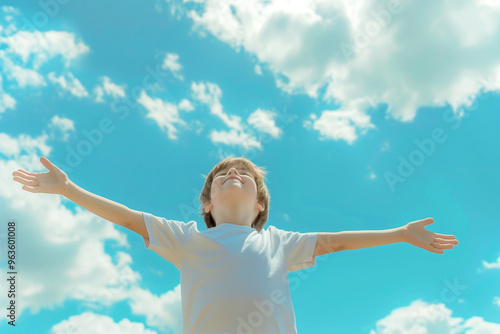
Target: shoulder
(273, 230)
(152, 219)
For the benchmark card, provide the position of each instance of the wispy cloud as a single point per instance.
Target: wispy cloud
(264, 121)
(68, 82)
(165, 114)
(107, 87)
(41, 46)
(492, 265)
(209, 93)
(62, 125)
(171, 62)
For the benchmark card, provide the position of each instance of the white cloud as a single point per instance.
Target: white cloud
(340, 124)
(258, 69)
(10, 14)
(10, 10)
(171, 62)
(165, 114)
(69, 83)
(176, 7)
(235, 138)
(23, 76)
(8, 145)
(63, 125)
(42, 46)
(6, 100)
(421, 317)
(107, 87)
(492, 3)
(186, 105)
(210, 94)
(88, 322)
(293, 37)
(76, 239)
(21, 47)
(10, 29)
(492, 265)
(263, 120)
(23, 144)
(86, 273)
(406, 56)
(477, 325)
(162, 312)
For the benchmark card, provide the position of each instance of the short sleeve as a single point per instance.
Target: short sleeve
(298, 248)
(167, 237)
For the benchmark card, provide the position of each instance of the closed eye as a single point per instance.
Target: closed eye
(244, 173)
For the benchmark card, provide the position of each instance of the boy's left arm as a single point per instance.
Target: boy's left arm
(413, 233)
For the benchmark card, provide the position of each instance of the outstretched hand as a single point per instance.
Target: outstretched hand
(55, 181)
(417, 235)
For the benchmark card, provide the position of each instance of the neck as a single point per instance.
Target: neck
(238, 218)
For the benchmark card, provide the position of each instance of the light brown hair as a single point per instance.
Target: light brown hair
(259, 175)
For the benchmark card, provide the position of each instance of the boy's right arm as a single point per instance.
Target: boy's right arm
(55, 181)
(112, 211)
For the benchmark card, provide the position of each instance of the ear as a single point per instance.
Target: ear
(207, 207)
(260, 206)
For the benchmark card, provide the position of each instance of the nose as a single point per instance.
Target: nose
(233, 169)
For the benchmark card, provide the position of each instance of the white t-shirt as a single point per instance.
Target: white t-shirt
(234, 280)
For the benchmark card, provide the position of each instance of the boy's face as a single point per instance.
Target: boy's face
(234, 187)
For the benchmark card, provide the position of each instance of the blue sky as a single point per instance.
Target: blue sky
(363, 123)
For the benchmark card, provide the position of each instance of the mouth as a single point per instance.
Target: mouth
(233, 178)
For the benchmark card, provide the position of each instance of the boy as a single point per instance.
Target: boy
(234, 275)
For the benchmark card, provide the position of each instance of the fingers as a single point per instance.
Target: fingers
(29, 181)
(26, 172)
(446, 241)
(435, 250)
(23, 174)
(46, 163)
(444, 236)
(25, 181)
(441, 246)
(30, 189)
(427, 221)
